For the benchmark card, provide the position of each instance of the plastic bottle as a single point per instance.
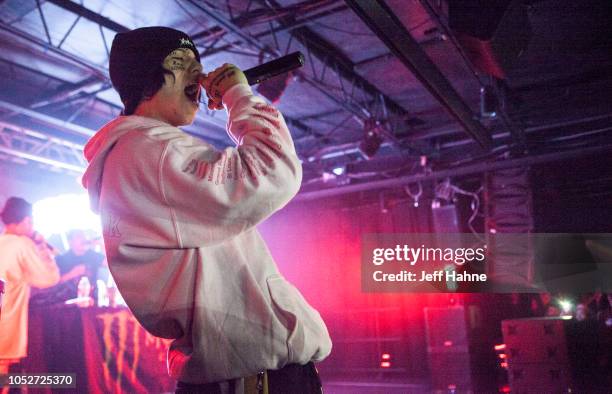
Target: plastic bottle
(102, 293)
(112, 292)
(84, 291)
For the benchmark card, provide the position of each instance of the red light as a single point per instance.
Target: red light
(448, 343)
(500, 347)
(502, 356)
(504, 365)
(386, 356)
(385, 364)
(505, 389)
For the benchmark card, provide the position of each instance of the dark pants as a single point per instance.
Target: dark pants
(294, 379)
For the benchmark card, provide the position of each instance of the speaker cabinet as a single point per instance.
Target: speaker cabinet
(492, 33)
(447, 348)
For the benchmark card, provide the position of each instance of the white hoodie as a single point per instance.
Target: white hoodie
(179, 223)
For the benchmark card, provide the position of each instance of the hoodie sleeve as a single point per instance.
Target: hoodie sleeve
(214, 195)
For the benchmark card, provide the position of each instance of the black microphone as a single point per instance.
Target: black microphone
(274, 67)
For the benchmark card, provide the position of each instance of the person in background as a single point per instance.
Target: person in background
(26, 260)
(80, 260)
(542, 304)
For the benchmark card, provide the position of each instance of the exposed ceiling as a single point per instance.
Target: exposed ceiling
(556, 97)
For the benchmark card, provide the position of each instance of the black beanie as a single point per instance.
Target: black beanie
(137, 54)
(15, 210)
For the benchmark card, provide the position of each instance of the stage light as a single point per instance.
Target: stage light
(326, 177)
(385, 364)
(488, 103)
(386, 356)
(566, 306)
(339, 170)
(371, 140)
(60, 214)
(500, 347)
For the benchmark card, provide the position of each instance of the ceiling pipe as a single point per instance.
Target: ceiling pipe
(335, 60)
(49, 120)
(383, 22)
(90, 15)
(483, 167)
(39, 159)
(100, 71)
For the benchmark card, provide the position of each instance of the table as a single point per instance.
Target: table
(106, 348)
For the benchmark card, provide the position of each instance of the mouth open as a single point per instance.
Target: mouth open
(193, 92)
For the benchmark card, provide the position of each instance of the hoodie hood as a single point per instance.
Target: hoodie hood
(99, 146)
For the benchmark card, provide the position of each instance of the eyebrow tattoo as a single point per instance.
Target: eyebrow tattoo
(176, 61)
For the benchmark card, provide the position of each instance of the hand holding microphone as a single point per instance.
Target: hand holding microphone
(217, 82)
(40, 241)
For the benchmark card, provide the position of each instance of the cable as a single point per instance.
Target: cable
(446, 191)
(475, 206)
(415, 196)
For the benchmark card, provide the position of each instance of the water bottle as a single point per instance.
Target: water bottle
(102, 293)
(84, 291)
(111, 292)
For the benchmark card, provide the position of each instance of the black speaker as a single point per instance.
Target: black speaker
(445, 219)
(448, 351)
(492, 33)
(537, 355)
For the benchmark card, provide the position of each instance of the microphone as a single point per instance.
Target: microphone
(274, 67)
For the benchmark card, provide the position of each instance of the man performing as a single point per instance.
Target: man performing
(179, 220)
(25, 261)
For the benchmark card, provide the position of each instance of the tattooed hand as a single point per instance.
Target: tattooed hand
(217, 82)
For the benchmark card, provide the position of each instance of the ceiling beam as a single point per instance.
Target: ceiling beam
(48, 120)
(385, 24)
(329, 55)
(215, 31)
(45, 47)
(31, 145)
(471, 169)
(90, 15)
